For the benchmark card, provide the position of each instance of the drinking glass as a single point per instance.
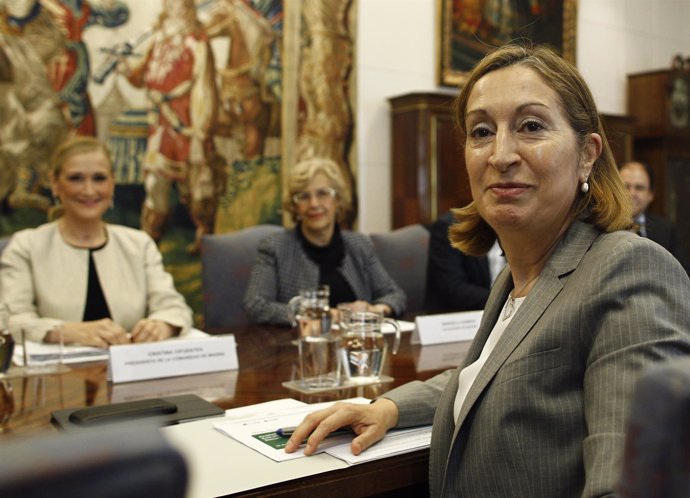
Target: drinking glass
(319, 362)
(311, 311)
(318, 348)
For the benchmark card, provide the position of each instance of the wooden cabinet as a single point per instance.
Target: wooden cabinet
(428, 166)
(429, 175)
(660, 101)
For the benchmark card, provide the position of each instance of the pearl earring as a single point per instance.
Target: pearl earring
(584, 187)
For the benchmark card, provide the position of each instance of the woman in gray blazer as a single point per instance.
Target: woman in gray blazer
(316, 252)
(538, 406)
(81, 280)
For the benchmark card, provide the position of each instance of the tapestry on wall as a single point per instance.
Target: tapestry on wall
(187, 94)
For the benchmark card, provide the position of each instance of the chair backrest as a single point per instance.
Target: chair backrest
(403, 253)
(110, 463)
(226, 262)
(656, 460)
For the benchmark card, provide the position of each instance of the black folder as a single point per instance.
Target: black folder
(156, 411)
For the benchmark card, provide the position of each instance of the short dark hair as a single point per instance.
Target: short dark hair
(648, 169)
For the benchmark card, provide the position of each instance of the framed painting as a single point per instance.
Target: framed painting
(469, 29)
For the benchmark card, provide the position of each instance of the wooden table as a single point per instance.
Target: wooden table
(267, 357)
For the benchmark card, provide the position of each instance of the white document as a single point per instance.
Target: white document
(396, 442)
(264, 409)
(259, 433)
(39, 353)
(387, 328)
(405, 326)
(184, 356)
(446, 327)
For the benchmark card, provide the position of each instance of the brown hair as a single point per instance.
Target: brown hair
(72, 146)
(607, 204)
(305, 171)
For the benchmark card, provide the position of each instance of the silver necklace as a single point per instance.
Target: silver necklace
(510, 305)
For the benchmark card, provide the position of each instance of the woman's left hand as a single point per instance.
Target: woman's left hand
(360, 305)
(147, 330)
(380, 308)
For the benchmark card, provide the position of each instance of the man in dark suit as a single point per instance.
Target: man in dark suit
(455, 281)
(639, 179)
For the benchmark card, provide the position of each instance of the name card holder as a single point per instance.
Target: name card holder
(156, 360)
(446, 327)
(441, 356)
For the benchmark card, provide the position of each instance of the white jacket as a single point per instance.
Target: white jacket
(44, 280)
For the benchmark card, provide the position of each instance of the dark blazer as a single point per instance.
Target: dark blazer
(282, 269)
(546, 415)
(663, 232)
(455, 281)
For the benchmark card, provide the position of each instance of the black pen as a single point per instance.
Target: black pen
(288, 431)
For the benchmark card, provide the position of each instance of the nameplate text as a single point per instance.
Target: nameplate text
(446, 327)
(172, 358)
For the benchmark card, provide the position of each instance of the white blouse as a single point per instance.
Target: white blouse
(468, 374)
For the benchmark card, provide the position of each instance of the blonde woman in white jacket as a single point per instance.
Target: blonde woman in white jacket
(81, 280)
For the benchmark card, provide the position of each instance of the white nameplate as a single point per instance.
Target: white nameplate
(155, 360)
(446, 327)
(439, 356)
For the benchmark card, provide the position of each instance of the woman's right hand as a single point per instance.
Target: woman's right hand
(369, 422)
(98, 333)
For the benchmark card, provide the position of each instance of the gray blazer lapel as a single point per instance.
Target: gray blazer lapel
(445, 430)
(566, 257)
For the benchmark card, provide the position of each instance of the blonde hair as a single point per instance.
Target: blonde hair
(73, 146)
(607, 204)
(304, 172)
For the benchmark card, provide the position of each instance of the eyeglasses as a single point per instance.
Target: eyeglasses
(321, 195)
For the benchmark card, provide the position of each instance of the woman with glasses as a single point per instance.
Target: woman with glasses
(316, 252)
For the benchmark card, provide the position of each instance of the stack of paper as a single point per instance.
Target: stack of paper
(388, 328)
(405, 326)
(396, 442)
(39, 353)
(257, 430)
